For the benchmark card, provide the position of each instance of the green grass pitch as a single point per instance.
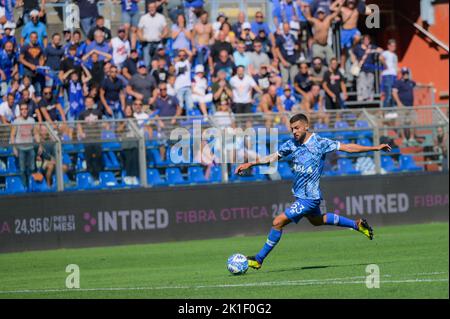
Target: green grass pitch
(413, 262)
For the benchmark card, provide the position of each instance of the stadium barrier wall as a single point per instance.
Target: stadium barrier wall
(89, 219)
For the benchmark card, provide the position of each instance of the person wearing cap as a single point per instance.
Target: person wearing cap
(161, 53)
(8, 35)
(200, 90)
(287, 51)
(403, 89)
(121, 47)
(142, 85)
(247, 36)
(34, 26)
(321, 26)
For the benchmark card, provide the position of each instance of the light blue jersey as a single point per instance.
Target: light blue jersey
(308, 161)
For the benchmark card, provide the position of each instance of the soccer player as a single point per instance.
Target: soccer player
(308, 152)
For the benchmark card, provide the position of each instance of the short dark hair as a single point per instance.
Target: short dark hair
(299, 117)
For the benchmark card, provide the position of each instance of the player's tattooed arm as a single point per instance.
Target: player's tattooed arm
(260, 161)
(355, 148)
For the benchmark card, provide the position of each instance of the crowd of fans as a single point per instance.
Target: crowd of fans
(177, 62)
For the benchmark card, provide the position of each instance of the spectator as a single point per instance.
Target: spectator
(8, 66)
(112, 95)
(389, 75)
(334, 86)
(24, 133)
(130, 19)
(193, 9)
(130, 150)
(219, 45)
(258, 58)
(89, 131)
(129, 67)
(183, 80)
(321, 26)
(403, 89)
(160, 71)
(34, 26)
(247, 36)
(152, 30)
(287, 52)
(260, 25)
(120, 47)
(202, 38)
(101, 46)
(313, 104)
(262, 78)
(285, 11)
(70, 62)
(7, 114)
(302, 81)
(76, 90)
(54, 53)
(221, 89)
(159, 5)
(217, 26)
(230, 35)
(8, 35)
(363, 55)
(161, 53)
(88, 14)
(288, 100)
(33, 110)
(241, 57)
(142, 85)
(350, 35)
(99, 26)
(166, 105)
(31, 57)
(243, 86)
(200, 90)
(50, 108)
(237, 28)
(181, 36)
(317, 71)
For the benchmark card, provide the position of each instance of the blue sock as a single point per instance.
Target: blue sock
(272, 240)
(337, 220)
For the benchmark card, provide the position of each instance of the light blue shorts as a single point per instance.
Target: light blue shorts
(303, 207)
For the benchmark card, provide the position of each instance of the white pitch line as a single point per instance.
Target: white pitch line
(318, 282)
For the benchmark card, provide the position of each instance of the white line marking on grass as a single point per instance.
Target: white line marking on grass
(303, 282)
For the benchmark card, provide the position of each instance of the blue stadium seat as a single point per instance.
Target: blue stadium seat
(196, 175)
(155, 158)
(154, 179)
(285, 171)
(110, 161)
(253, 177)
(407, 163)
(110, 146)
(388, 164)
(14, 185)
(366, 133)
(343, 125)
(323, 126)
(108, 180)
(5, 151)
(174, 176)
(216, 175)
(12, 165)
(38, 187)
(364, 142)
(67, 183)
(345, 166)
(85, 181)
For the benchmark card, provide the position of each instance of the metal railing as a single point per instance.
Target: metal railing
(258, 135)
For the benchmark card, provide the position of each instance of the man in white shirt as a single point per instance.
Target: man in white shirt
(243, 86)
(6, 110)
(121, 47)
(152, 29)
(183, 82)
(389, 75)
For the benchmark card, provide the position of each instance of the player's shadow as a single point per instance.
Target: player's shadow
(315, 267)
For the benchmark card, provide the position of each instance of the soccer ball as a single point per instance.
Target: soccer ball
(237, 264)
